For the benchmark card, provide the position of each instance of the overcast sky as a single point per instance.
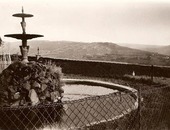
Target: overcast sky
(118, 21)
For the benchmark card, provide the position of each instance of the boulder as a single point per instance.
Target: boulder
(33, 97)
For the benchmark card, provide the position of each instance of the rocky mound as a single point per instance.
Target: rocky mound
(30, 84)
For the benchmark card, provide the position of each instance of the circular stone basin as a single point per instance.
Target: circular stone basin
(78, 91)
(108, 102)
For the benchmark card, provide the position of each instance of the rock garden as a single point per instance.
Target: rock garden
(32, 83)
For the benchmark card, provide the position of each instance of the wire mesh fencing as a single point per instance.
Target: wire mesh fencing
(142, 110)
(87, 113)
(154, 111)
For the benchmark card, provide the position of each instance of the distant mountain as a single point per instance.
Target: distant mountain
(165, 50)
(104, 51)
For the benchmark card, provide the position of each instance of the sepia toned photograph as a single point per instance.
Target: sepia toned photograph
(84, 65)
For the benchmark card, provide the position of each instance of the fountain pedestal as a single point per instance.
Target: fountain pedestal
(24, 53)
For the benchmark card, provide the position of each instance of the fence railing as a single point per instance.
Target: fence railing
(119, 110)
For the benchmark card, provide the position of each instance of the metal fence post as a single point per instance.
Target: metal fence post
(139, 106)
(151, 74)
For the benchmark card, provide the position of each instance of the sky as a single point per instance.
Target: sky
(117, 21)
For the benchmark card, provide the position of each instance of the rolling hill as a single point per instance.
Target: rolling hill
(161, 49)
(104, 51)
(165, 50)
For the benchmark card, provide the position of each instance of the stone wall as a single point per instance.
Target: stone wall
(105, 69)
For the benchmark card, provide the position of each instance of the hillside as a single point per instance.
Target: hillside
(161, 49)
(104, 51)
(165, 50)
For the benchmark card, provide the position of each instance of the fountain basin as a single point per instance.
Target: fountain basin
(90, 108)
(23, 36)
(109, 102)
(79, 91)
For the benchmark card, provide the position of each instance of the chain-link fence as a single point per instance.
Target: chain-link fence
(155, 109)
(149, 109)
(82, 113)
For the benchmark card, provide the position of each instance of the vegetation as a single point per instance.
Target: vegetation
(157, 81)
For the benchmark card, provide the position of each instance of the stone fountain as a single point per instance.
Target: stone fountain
(24, 48)
(29, 82)
(30, 91)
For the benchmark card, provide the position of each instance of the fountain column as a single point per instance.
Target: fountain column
(24, 48)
